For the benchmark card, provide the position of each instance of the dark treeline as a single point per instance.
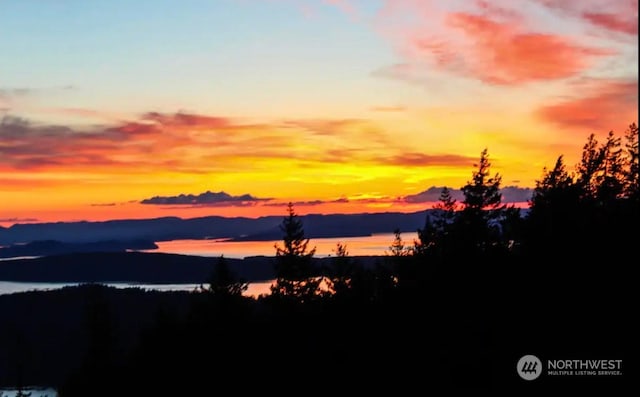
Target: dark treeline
(481, 287)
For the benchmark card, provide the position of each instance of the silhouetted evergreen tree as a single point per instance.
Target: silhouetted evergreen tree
(601, 180)
(632, 184)
(554, 207)
(587, 170)
(402, 265)
(437, 226)
(476, 224)
(553, 182)
(586, 211)
(482, 193)
(294, 268)
(223, 282)
(610, 180)
(398, 248)
(341, 271)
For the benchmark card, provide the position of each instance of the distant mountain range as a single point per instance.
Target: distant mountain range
(173, 228)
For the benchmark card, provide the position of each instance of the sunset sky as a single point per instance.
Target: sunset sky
(115, 109)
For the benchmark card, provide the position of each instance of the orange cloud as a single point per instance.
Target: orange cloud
(195, 144)
(604, 106)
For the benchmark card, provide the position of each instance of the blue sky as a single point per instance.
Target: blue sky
(226, 56)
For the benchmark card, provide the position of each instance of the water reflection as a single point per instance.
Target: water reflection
(372, 245)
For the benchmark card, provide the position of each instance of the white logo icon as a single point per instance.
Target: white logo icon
(529, 367)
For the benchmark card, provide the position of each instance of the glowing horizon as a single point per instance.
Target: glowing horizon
(337, 105)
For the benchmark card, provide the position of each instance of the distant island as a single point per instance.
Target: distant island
(138, 267)
(52, 247)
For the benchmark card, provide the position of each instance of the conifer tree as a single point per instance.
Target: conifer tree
(632, 185)
(437, 223)
(482, 206)
(223, 282)
(294, 269)
(341, 270)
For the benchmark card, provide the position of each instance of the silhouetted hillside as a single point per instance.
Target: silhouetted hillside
(127, 266)
(345, 225)
(170, 228)
(148, 268)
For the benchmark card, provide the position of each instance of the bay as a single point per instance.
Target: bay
(372, 245)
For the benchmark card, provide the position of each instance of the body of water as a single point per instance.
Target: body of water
(9, 287)
(372, 245)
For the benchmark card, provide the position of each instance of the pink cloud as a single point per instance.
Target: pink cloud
(501, 54)
(500, 42)
(619, 16)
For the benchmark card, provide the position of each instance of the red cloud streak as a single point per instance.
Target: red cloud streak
(614, 22)
(611, 104)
